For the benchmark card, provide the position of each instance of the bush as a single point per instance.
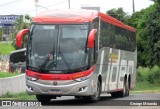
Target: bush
(142, 74)
(149, 75)
(154, 75)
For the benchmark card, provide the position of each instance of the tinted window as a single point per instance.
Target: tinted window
(116, 37)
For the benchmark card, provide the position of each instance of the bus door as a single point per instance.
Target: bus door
(114, 61)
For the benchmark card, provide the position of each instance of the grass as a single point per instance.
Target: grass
(146, 87)
(20, 96)
(6, 74)
(6, 48)
(147, 80)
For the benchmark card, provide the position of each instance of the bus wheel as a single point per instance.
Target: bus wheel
(125, 90)
(77, 97)
(115, 94)
(96, 96)
(44, 98)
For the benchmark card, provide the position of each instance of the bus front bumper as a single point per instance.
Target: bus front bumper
(69, 88)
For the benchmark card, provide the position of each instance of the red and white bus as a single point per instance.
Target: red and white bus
(81, 53)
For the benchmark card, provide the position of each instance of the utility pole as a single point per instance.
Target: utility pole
(133, 6)
(69, 4)
(36, 4)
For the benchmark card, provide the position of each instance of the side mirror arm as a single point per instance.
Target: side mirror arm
(19, 36)
(91, 37)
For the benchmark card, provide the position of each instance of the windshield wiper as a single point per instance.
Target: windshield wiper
(65, 61)
(37, 69)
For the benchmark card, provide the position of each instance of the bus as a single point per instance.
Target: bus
(17, 60)
(80, 53)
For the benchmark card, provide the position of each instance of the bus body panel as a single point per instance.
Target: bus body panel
(113, 65)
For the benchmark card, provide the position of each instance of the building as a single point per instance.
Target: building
(7, 23)
(8, 20)
(90, 8)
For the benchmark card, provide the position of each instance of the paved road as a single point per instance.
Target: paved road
(106, 100)
(134, 101)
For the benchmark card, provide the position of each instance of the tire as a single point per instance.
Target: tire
(96, 96)
(44, 98)
(77, 97)
(125, 91)
(115, 94)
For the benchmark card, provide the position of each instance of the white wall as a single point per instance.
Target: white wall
(13, 85)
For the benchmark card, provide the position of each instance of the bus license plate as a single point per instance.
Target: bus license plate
(55, 91)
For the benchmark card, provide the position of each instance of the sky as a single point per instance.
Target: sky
(17, 7)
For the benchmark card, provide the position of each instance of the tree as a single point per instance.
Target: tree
(119, 14)
(138, 20)
(156, 1)
(21, 23)
(153, 33)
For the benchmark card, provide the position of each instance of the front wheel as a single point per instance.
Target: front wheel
(96, 96)
(77, 97)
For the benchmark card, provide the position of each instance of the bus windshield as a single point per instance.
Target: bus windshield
(58, 48)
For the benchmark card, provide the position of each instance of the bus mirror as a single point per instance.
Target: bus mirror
(91, 38)
(19, 36)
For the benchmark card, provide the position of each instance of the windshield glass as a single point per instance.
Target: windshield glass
(58, 48)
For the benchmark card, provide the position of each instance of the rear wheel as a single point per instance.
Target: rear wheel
(125, 91)
(44, 98)
(115, 94)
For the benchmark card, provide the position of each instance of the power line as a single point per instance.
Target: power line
(9, 3)
(49, 6)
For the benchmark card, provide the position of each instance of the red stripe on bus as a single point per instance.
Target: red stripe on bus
(59, 76)
(116, 90)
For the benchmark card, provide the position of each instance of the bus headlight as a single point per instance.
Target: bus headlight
(31, 78)
(82, 78)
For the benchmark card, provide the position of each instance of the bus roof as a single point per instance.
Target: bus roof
(76, 16)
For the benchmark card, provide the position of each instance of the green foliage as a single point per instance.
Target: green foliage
(6, 48)
(156, 1)
(153, 40)
(142, 74)
(139, 20)
(154, 75)
(19, 96)
(6, 74)
(145, 86)
(22, 22)
(148, 75)
(118, 14)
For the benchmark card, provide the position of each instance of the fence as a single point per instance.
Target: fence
(12, 85)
